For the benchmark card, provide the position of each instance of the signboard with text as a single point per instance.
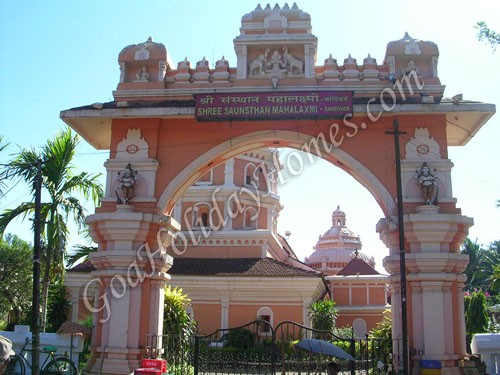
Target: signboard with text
(273, 105)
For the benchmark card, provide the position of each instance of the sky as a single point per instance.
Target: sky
(55, 55)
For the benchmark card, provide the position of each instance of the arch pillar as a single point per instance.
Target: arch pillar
(434, 268)
(131, 272)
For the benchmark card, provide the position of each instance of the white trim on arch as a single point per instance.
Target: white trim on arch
(231, 148)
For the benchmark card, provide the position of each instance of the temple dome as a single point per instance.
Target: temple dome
(337, 246)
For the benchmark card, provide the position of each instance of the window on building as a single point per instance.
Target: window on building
(251, 175)
(201, 215)
(266, 314)
(204, 218)
(250, 218)
(265, 327)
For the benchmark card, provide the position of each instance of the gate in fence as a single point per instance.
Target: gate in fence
(258, 348)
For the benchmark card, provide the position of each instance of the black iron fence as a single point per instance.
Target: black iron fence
(258, 348)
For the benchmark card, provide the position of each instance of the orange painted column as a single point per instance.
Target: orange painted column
(435, 281)
(131, 272)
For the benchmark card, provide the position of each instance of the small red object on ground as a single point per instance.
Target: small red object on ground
(159, 364)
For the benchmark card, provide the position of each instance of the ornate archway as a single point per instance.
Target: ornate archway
(162, 123)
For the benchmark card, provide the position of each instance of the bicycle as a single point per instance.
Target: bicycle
(60, 365)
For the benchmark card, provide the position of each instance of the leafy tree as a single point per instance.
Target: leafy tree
(176, 320)
(476, 318)
(16, 273)
(58, 306)
(383, 330)
(475, 277)
(61, 184)
(485, 34)
(323, 315)
(495, 279)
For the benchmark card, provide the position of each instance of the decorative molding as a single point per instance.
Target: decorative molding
(132, 147)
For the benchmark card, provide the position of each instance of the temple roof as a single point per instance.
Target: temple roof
(82, 267)
(338, 244)
(263, 267)
(357, 266)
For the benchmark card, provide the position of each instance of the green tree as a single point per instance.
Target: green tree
(475, 276)
(383, 330)
(61, 184)
(58, 306)
(485, 34)
(495, 279)
(476, 318)
(323, 315)
(16, 273)
(176, 320)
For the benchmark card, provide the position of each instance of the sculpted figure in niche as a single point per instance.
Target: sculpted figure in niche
(410, 68)
(428, 184)
(277, 63)
(142, 75)
(293, 65)
(257, 65)
(127, 181)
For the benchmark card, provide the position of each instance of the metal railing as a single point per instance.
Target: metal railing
(258, 348)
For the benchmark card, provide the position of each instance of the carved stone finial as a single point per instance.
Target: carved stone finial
(127, 181)
(184, 63)
(428, 184)
(330, 61)
(369, 61)
(222, 63)
(350, 60)
(203, 63)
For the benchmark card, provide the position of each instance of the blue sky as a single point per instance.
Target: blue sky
(55, 55)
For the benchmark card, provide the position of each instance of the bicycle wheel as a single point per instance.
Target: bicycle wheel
(15, 366)
(60, 366)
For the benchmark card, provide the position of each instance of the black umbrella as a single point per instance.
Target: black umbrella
(323, 347)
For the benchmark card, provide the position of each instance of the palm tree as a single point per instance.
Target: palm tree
(3, 146)
(475, 276)
(495, 279)
(80, 253)
(61, 184)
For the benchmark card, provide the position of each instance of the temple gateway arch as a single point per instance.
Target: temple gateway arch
(168, 125)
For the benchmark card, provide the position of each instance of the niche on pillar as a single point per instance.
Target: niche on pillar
(419, 149)
(132, 149)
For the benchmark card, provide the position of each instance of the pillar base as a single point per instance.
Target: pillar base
(117, 361)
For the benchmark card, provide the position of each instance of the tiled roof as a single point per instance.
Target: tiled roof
(83, 267)
(225, 267)
(266, 267)
(357, 266)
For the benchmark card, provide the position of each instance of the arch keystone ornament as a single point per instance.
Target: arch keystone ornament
(328, 110)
